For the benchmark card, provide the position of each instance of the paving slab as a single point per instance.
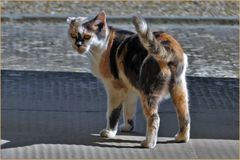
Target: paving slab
(59, 115)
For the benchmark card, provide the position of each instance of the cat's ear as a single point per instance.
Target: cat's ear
(80, 19)
(100, 20)
(71, 20)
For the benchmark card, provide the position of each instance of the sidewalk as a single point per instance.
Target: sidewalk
(59, 115)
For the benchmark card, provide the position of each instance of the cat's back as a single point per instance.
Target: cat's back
(170, 44)
(133, 57)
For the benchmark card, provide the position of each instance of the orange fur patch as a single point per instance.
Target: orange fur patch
(173, 44)
(120, 59)
(148, 110)
(104, 65)
(179, 96)
(118, 84)
(164, 69)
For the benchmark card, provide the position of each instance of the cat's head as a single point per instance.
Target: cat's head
(85, 33)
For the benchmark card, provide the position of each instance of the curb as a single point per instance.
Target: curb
(231, 20)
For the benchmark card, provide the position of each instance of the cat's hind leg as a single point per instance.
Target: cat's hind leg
(115, 99)
(179, 96)
(150, 110)
(129, 105)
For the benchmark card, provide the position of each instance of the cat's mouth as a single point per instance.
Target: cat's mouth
(80, 48)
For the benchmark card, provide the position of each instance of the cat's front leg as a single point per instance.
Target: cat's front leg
(113, 115)
(115, 99)
(129, 105)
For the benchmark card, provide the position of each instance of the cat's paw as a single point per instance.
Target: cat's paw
(146, 144)
(126, 127)
(106, 133)
(182, 137)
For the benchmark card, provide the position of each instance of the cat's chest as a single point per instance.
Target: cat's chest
(94, 61)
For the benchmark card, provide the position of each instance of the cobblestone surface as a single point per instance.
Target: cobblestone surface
(147, 8)
(212, 49)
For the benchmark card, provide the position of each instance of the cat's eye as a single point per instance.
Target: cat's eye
(86, 36)
(73, 35)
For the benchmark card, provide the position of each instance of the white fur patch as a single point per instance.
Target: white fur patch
(106, 133)
(102, 44)
(80, 29)
(125, 127)
(185, 59)
(79, 19)
(183, 137)
(143, 27)
(151, 137)
(70, 19)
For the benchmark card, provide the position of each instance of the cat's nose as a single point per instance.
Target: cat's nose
(70, 20)
(78, 44)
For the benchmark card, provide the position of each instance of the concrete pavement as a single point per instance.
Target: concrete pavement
(59, 115)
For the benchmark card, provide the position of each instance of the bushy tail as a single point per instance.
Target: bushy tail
(145, 34)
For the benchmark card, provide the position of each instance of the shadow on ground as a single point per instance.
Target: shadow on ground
(69, 108)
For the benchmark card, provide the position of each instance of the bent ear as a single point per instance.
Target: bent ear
(80, 19)
(100, 19)
(70, 20)
(74, 19)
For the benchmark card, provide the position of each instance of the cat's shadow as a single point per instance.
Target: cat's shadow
(120, 142)
(87, 140)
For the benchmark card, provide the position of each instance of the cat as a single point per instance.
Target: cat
(145, 64)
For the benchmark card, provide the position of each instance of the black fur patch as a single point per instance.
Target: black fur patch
(114, 117)
(179, 70)
(113, 63)
(153, 119)
(133, 59)
(157, 33)
(100, 27)
(123, 45)
(79, 39)
(176, 69)
(121, 35)
(155, 116)
(131, 123)
(88, 25)
(151, 100)
(151, 78)
(184, 121)
(165, 43)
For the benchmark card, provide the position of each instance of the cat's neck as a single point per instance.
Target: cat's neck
(97, 50)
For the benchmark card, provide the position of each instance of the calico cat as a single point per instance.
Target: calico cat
(146, 64)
